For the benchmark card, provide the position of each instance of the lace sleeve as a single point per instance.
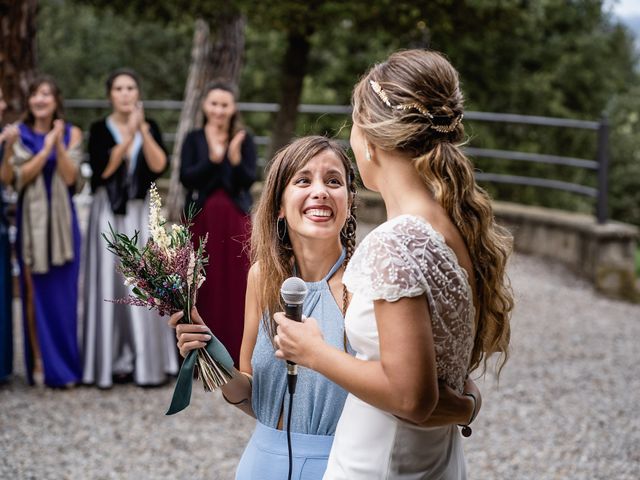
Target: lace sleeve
(383, 268)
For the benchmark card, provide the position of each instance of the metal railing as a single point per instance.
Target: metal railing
(600, 165)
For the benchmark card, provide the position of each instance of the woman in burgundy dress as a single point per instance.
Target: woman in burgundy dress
(218, 167)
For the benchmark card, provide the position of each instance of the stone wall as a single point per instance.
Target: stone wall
(605, 254)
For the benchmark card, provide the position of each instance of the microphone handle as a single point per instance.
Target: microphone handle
(292, 311)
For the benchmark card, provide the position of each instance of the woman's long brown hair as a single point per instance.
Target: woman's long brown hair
(271, 248)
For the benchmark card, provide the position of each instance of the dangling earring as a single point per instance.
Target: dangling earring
(281, 229)
(367, 153)
(348, 230)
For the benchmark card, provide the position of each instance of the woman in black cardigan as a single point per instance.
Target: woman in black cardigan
(218, 167)
(126, 154)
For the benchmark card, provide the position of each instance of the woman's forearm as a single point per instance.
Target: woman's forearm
(117, 156)
(32, 168)
(6, 170)
(456, 408)
(403, 381)
(66, 167)
(452, 411)
(369, 381)
(155, 156)
(237, 392)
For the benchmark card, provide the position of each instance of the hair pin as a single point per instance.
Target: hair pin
(379, 91)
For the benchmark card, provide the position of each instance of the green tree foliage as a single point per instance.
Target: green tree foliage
(305, 24)
(167, 12)
(551, 58)
(624, 187)
(548, 57)
(80, 45)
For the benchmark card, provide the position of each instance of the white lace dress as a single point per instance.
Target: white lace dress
(404, 257)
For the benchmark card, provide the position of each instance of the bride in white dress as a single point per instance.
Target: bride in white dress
(431, 300)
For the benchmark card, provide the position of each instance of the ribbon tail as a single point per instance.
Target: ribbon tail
(182, 391)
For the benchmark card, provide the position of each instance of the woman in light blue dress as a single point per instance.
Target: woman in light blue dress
(304, 225)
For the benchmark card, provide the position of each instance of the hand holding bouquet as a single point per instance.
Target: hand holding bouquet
(166, 276)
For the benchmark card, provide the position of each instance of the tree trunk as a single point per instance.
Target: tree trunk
(294, 68)
(17, 52)
(193, 90)
(223, 59)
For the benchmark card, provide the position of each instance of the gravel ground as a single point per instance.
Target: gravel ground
(565, 407)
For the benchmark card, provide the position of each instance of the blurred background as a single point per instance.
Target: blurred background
(552, 88)
(555, 58)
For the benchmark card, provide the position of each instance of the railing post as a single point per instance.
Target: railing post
(602, 206)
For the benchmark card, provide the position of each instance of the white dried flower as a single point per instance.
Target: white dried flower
(157, 221)
(191, 267)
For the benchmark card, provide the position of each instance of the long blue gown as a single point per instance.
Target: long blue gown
(55, 293)
(6, 334)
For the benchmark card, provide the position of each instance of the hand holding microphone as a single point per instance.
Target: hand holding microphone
(293, 292)
(297, 341)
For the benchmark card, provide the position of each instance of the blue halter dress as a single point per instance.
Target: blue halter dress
(317, 403)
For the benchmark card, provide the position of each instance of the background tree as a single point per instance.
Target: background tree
(552, 57)
(217, 58)
(624, 111)
(213, 56)
(17, 52)
(300, 22)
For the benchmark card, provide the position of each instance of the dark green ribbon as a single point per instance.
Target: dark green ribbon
(182, 390)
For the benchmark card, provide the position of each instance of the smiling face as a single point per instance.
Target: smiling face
(42, 102)
(315, 202)
(124, 94)
(218, 107)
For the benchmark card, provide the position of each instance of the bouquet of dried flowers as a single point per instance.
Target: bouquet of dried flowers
(165, 275)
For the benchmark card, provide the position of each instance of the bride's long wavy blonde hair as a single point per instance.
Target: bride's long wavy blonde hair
(412, 102)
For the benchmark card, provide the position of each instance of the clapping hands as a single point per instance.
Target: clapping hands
(9, 134)
(217, 148)
(55, 135)
(136, 119)
(235, 146)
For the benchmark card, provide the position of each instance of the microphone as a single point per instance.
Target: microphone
(293, 292)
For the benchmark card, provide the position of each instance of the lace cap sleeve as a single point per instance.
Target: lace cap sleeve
(387, 266)
(404, 257)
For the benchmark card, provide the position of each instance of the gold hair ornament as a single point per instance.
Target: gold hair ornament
(416, 106)
(447, 128)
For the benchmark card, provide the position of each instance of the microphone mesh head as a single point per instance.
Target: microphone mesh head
(293, 290)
